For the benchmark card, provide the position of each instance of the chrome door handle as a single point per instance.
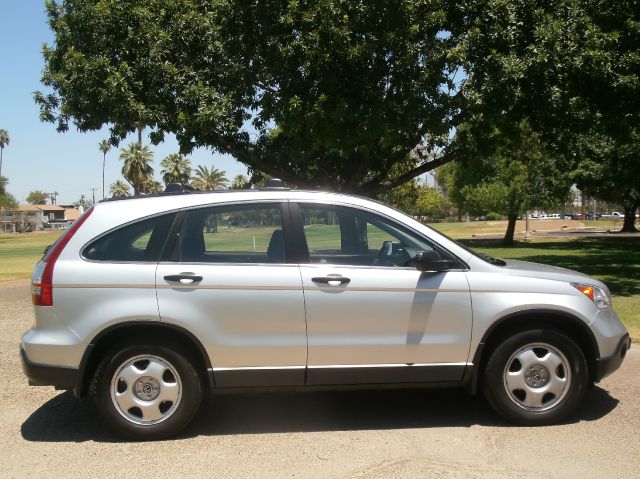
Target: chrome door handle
(330, 279)
(184, 278)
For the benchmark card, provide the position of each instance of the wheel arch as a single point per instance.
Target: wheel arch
(105, 339)
(513, 323)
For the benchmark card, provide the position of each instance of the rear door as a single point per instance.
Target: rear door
(371, 316)
(229, 283)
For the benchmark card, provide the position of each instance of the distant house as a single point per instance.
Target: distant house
(25, 218)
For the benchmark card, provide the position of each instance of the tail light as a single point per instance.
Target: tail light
(42, 280)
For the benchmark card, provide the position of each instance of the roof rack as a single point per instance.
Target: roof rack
(274, 184)
(179, 188)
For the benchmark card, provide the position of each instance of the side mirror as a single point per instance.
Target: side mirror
(432, 261)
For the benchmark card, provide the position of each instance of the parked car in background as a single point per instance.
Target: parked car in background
(144, 303)
(614, 215)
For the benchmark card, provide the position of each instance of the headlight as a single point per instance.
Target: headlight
(599, 296)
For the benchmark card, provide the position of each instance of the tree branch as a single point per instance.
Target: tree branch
(375, 187)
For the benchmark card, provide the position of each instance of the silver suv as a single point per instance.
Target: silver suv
(145, 303)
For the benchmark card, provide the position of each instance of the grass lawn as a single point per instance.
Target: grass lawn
(20, 252)
(614, 260)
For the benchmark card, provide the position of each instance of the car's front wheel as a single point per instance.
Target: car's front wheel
(536, 377)
(146, 391)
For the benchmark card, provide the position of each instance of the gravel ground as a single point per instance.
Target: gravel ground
(436, 433)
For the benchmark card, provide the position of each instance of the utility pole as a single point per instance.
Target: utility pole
(93, 194)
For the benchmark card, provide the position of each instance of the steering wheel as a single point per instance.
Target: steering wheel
(392, 254)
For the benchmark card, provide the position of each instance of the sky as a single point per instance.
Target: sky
(39, 158)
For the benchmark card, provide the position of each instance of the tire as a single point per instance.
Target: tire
(536, 377)
(146, 391)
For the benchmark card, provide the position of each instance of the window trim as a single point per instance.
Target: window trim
(304, 260)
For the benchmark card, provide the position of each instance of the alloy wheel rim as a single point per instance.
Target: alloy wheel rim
(537, 377)
(146, 389)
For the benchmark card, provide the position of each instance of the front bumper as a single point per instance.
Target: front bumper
(609, 364)
(61, 377)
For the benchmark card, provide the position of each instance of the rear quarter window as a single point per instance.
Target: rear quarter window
(139, 241)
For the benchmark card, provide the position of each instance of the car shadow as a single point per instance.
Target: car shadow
(66, 419)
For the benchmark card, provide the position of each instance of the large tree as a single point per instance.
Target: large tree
(4, 141)
(7, 200)
(607, 98)
(104, 146)
(209, 179)
(570, 68)
(137, 169)
(37, 197)
(333, 94)
(119, 188)
(519, 174)
(240, 182)
(176, 169)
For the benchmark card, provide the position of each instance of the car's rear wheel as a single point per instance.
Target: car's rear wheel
(536, 377)
(146, 391)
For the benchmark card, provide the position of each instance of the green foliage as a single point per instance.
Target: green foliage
(137, 169)
(83, 202)
(7, 200)
(104, 146)
(240, 182)
(37, 197)
(176, 169)
(569, 67)
(152, 186)
(330, 93)
(119, 188)
(417, 200)
(209, 179)
(518, 175)
(4, 141)
(4, 138)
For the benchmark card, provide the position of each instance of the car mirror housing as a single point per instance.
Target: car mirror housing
(432, 261)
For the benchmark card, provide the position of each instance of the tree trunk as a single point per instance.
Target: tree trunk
(104, 159)
(629, 224)
(140, 128)
(511, 229)
(1, 152)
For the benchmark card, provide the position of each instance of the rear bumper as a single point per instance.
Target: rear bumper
(609, 364)
(60, 377)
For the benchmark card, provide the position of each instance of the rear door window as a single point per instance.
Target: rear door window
(233, 234)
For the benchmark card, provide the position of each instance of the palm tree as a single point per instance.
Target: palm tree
(209, 179)
(152, 186)
(175, 169)
(119, 188)
(136, 168)
(4, 141)
(104, 146)
(240, 182)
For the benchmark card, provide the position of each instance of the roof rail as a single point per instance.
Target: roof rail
(179, 188)
(274, 184)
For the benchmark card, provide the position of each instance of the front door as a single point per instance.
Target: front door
(371, 316)
(231, 286)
